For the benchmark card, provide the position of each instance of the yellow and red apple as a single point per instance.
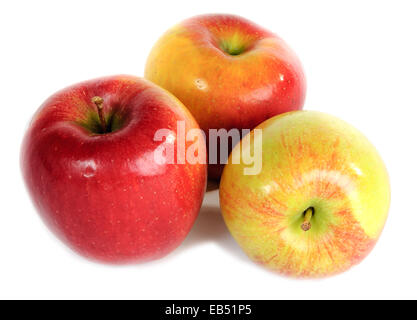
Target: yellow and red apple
(320, 201)
(229, 72)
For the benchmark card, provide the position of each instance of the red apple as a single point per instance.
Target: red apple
(88, 162)
(229, 72)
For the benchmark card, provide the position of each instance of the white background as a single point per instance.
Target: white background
(360, 59)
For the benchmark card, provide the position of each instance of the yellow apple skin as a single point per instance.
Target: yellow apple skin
(228, 71)
(309, 160)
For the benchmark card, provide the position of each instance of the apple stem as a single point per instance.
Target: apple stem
(98, 101)
(307, 217)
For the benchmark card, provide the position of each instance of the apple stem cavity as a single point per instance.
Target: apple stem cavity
(308, 214)
(98, 101)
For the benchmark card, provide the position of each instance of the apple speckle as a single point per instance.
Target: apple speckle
(201, 84)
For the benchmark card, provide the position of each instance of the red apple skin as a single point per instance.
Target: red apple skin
(224, 90)
(103, 194)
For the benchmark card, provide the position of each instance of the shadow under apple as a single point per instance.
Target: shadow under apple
(210, 227)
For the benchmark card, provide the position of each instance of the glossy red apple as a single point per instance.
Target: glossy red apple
(88, 162)
(229, 72)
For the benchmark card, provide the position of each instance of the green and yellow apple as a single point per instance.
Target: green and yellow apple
(320, 201)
